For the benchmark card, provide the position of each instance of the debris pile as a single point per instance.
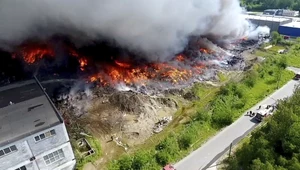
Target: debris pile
(158, 127)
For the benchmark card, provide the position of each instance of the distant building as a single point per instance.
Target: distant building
(33, 135)
(291, 29)
(281, 12)
(272, 22)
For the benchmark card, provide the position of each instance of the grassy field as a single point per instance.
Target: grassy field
(293, 57)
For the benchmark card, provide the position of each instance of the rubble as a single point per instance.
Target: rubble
(158, 127)
(128, 114)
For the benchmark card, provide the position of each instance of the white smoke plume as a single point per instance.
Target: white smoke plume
(156, 27)
(254, 32)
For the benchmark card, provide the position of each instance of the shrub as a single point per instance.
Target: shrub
(185, 140)
(169, 144)
(163, 158)
(203, 116)
(125, 163)
(141, 159)
(224, 90)
(222, 119)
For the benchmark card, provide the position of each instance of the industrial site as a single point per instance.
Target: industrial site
(133, 86)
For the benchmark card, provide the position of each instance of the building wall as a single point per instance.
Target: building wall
(28, 147)
(273, 25)
(289, 31)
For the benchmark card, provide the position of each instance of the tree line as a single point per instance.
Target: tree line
(260, 5)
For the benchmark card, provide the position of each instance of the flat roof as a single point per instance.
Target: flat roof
(292, 24)
(25, 109)
(266, 18)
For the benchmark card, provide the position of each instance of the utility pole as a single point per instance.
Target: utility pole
(230, 149)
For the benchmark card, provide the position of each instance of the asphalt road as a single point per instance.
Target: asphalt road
(213, 149)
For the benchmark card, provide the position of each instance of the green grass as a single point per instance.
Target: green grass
(262, 88)
(269, 52)
(293, 57)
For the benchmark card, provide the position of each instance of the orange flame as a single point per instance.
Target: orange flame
(180, 58)
(31, 54)
(122, 64)
(126, 72)
(206, 51)
(83, 62)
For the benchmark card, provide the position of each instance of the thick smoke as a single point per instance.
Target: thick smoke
(156, 27)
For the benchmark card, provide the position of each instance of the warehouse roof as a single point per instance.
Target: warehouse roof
(292, 24)
(25, 109)
(266, 18)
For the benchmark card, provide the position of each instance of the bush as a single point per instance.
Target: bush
(125, 163)
(276, 38)
(185, 141)
(163, 158)
(282, 62)
(141, 159)
(170, 145)
(224, 90)
(222, 119)
(251, 78)
(203, 116)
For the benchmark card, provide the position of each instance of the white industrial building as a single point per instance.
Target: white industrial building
(33, 135)
(271, 21)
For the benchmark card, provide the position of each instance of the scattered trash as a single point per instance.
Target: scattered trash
(158, 127)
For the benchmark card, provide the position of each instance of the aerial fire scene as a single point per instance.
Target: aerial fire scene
(134, 85)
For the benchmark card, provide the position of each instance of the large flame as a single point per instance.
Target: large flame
(175, 71)
(32, 54)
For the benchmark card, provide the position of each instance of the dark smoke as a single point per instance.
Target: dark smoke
(155, 28)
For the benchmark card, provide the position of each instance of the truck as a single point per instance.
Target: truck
(263, 112)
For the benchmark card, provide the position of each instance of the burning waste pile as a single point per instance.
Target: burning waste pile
(198, 62)
(127, 53)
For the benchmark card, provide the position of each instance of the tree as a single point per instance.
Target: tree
(276, 38)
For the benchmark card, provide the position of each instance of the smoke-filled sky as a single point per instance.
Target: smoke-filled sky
(160, 27)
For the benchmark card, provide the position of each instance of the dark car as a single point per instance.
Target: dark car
(259, 117)
(297, 77)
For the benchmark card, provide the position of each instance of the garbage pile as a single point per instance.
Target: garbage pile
(158, 127)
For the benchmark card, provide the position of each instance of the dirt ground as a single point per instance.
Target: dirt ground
(128, 117)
